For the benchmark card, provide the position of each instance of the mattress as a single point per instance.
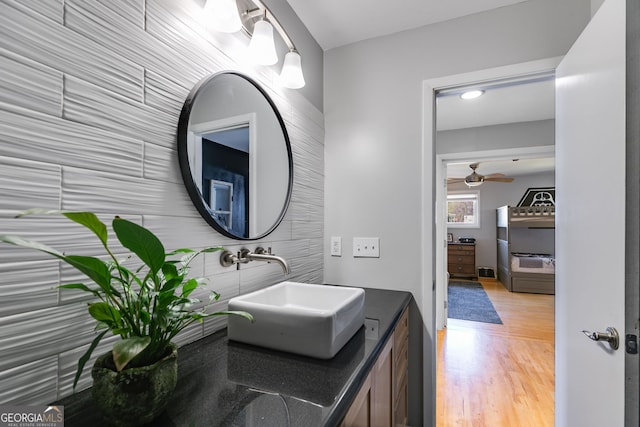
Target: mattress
(533, 263)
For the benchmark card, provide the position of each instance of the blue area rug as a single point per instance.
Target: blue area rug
(469, 301)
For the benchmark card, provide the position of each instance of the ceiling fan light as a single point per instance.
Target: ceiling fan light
(472, 94)
(474, 179)
(262, 48)
(473, 183)
(291, 75)
(223, 15)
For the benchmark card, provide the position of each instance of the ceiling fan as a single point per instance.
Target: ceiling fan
(476, 179)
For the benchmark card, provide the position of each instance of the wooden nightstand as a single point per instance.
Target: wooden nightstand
(461, 260)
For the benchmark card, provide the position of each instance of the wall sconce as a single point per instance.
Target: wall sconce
(258, 22)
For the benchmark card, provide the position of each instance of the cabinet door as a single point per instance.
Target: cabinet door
(359, 414)
(382, 388)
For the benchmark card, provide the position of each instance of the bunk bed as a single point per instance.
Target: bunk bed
(521, 270)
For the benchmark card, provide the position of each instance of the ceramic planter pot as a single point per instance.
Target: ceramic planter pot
(135, 396)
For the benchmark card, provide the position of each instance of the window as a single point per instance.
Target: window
(463, 210)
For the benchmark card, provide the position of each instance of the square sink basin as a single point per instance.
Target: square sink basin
(301, 318)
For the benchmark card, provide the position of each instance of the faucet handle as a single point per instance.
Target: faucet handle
(228, 258)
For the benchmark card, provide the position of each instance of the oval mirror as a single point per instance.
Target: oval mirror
(235, 156)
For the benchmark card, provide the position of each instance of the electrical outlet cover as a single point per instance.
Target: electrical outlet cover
(366, 247)
(336, 246)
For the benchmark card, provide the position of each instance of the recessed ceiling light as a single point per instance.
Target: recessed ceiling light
(472, 94)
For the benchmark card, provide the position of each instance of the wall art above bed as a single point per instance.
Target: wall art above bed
(539, 197)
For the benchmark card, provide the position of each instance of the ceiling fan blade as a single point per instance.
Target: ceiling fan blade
(454, 180)
(499, 179)
(495, 175)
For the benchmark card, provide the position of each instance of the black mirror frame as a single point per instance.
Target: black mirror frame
(183, 158)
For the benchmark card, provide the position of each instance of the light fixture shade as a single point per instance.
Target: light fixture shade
(223, 15)
(291, 75)
(262, 48)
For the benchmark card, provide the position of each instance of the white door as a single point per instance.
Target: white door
(590, 221)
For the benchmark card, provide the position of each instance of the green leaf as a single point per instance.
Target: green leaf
(170, 271)
(140, 241)
(95, 268)
(244, 314)
(30, 244)
(86, 356)
(124, 351)
(38, 211)
(80, 286)
(103, 312)
(90, 221)
(212, 249)
(189, 287)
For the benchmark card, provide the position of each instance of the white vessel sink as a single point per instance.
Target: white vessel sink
(301, 318)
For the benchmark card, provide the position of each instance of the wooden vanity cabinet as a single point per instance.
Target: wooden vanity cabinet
(401, 371)
(383, 398)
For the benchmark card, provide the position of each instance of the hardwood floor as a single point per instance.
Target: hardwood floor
(499, 375)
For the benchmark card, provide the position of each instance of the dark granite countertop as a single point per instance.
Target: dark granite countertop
(225, 383)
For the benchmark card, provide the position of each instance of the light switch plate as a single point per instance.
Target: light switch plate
(366, 247)
(336, 246)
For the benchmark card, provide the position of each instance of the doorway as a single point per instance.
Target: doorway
(435, 231)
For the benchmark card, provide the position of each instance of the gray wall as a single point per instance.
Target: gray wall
(90, 94)
(373, 147)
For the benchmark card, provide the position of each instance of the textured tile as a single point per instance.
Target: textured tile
(164, 93)
(181, 26)
(33, 36)
(161, 163)
(28, 286)
(104, 26)
(52, 9)
(42, 189)
(130, 10)
(104, 192)
(29, 84)
(94, 106)
(38, 334)
(30, 383)
(48, 139)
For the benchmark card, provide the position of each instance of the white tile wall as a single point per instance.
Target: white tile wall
(90, 95)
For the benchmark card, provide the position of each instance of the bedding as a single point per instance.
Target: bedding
(533, 263)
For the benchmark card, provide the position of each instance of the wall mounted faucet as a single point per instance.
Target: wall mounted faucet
(228, 258)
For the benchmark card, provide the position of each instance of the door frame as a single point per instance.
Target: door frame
(432, 235)
(632, 243)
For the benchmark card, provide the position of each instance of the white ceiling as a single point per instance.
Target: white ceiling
(335, 23)
(508, 104)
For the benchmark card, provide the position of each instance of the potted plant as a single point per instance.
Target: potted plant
(147, 305)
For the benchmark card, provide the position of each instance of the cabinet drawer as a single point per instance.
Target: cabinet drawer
(459, 259)
(461, 268)
(461, 248)
(461, 253)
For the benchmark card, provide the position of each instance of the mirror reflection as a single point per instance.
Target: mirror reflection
(235, 156)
